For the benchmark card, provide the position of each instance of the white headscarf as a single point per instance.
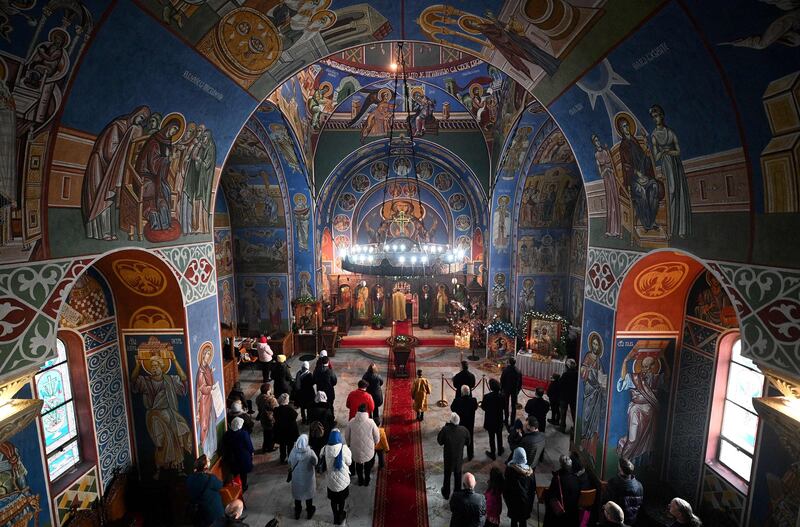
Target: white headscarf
(301, 445)
(321, 397)
(236, 406)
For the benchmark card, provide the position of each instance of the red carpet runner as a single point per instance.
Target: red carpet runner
(400, 499)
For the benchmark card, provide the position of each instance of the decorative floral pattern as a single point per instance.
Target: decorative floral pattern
(606, 269)
(192, 267)
(99, 336)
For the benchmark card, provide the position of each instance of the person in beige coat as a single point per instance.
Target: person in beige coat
(419, 392)
(362, 434)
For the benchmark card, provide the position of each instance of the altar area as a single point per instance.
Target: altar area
(366, 337)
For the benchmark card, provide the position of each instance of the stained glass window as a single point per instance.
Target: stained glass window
(737, 437)
(59, 423)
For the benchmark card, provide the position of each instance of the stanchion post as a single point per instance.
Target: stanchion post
(483, 385)
(442, 403)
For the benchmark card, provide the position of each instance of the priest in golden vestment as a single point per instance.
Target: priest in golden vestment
(398, 305)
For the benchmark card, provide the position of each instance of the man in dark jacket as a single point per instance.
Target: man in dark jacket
(492, 405)
(304, 391)
(510, 384)
(532, 441)
(466, 406)
(552, 395)
(626, 491)
(468, 507)
(568, 393)
(463, 378)
(375, 382)
(453, 437)
(325, 379)
(538, 408)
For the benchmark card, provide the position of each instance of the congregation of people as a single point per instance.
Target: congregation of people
(343, 454)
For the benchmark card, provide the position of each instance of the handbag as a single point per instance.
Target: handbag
(557, 505)
(289, 475)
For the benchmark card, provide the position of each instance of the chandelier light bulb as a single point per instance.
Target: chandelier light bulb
(413, 259)
(402, 259)
(403, 247)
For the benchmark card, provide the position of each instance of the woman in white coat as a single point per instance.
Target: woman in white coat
(302, 463)
(362, 435)
(337, 459)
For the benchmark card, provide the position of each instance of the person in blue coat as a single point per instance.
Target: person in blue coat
(303, 463)
(203, 489)
(237, 451)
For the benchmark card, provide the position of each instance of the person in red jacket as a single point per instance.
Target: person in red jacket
(360, 396)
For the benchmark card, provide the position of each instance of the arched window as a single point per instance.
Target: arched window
(59, 422)
(734, 421)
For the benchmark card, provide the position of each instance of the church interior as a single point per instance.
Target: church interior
(593, 198)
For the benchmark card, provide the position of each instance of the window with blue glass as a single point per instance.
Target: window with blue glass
(59, 423)
(737, 439)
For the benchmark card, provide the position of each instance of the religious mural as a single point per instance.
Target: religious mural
(263, 302)
(160, 398)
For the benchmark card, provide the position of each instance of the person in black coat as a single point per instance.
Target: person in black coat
(519, 488)
(492, 405)
(537, 407)
(237, 451)
(466, 406)
(281, 377)
(563, 487)
(453, 437)
(468, 507)
(321, 412)
(286, 431)
(463, 378)
(325, 379)
(568, 393)
(626, 491)
(374, 389)
(510, 384)
(304, 391)
(553, 395)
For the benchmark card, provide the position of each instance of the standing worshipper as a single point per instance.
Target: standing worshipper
(235, 411)
(538, 407)
(264, 357)
(492, 405)
(203, 490)
(281, 377)
(266, 404)
(626, 491)
(453, 437)
(563, 488)
(468, 507)
(466, 406)
(358, 397)
(303, 463)
(553, 395)
(237, 451)
(420, 390)
(510, 384)
(375, 382)
(362, 435)
(613, 515)
(519, 489)
(325, 379)
(463, 378)
(322, 412)
(304, 393)
(568, 393)
(286, 431)
(681, 510)
(494, 498)
(337, 458)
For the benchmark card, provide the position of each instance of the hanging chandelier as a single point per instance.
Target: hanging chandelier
(410, 253)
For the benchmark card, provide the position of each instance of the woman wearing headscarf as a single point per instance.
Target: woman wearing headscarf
(681, 510)
(235, 411)
(304, 392)
(266, 404)
(302, 464)
(322, 413)
(281, 377)
(338, 460)
(286, 431)
(237, 451)
(519, 488)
